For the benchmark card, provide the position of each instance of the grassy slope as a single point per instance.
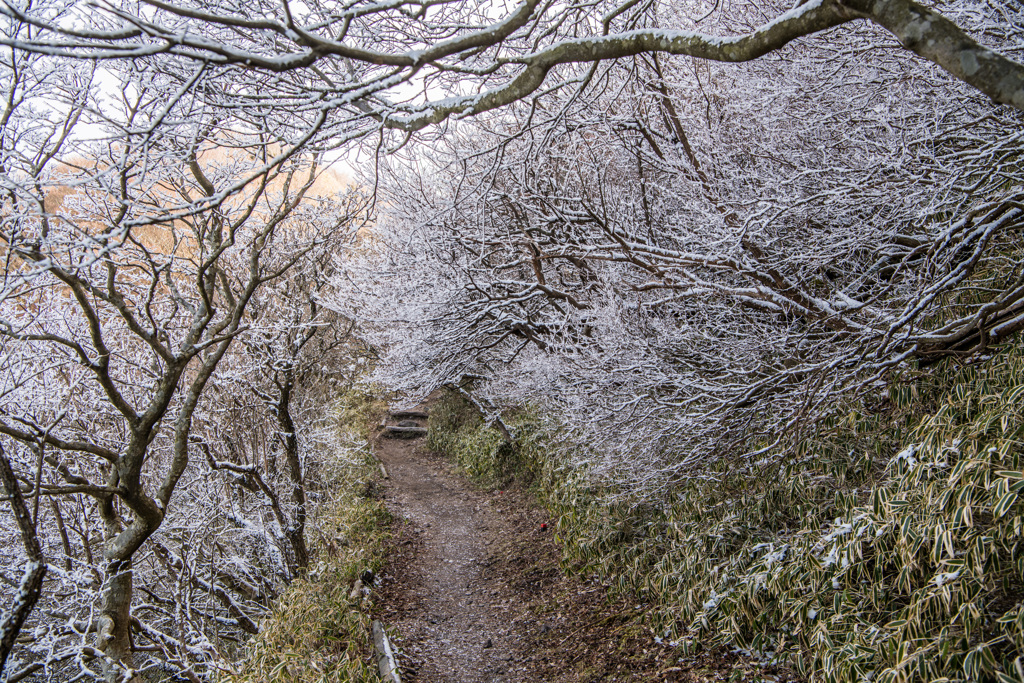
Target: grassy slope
(858, 559)
(317, 633)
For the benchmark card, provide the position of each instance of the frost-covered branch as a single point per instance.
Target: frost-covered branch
(340, 64)
(691, 264)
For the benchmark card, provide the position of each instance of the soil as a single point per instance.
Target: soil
(475, 592)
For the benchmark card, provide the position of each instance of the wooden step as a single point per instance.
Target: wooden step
(408, 415)
(404, 432)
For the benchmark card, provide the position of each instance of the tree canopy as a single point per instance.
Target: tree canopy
(589, 206)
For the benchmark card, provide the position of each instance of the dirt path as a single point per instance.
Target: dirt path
(453, 615)
(476, 594)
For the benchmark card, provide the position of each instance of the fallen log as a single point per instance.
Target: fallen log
(386, 663)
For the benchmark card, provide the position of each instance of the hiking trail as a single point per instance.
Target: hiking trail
(475, 593)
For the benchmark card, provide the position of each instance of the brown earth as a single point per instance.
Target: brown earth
(475, 593)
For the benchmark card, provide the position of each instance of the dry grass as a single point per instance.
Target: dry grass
(317, 633)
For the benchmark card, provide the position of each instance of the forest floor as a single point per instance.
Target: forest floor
(475, 593)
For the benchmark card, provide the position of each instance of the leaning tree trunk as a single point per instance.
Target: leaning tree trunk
(32, 583)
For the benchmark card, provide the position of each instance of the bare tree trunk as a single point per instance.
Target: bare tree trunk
(113, 633)
(296, 531)
(490, 415)
(32, 583)
(113, 624)
(64, 540)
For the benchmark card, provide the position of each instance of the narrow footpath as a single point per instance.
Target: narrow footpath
(452, 614)
(475, 593)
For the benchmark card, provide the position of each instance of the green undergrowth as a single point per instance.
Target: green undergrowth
(887, 548)
(317, 633)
